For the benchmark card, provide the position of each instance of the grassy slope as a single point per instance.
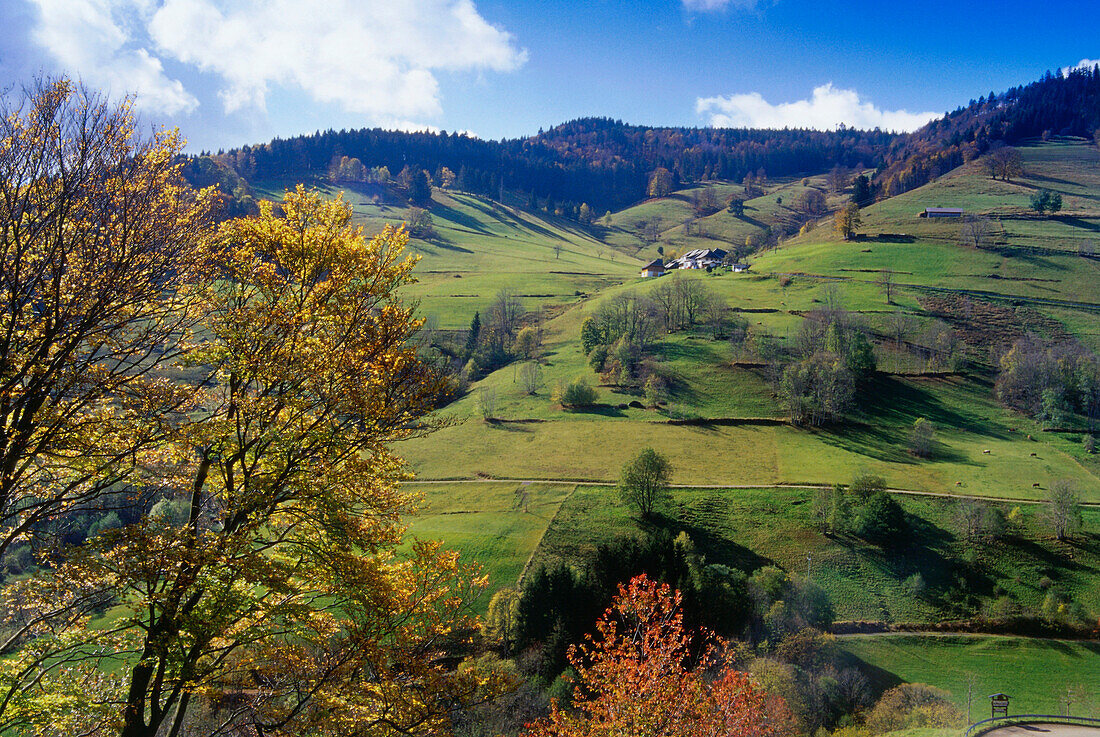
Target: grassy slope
(749, 528)
(1035, 673)
(498, 525)
(757, 526)
(927, 252)
(592, 445)
(483, 247)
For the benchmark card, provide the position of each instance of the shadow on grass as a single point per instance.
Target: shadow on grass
(1056, 561)
(602, 410)
(899, 403)
(753, 221)
(451, 215)
(881, 680)
(1075, 222)
(507, 426)
(715, 546)
(440, 241)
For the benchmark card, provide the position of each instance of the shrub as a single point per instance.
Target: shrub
(911, 706)
(914, 585)
(654, 390)
(576, 393)
(1004, 607)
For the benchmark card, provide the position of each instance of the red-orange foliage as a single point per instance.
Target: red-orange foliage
(637, 679)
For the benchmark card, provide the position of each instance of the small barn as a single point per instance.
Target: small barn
(656, 267)
(941, 212)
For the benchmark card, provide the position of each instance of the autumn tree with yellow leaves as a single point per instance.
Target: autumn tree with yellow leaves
(100, 244)
(274, 588)
(847, 221)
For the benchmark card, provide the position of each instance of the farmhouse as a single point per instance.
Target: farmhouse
(700, 258)
(941, 212)
(656, 267)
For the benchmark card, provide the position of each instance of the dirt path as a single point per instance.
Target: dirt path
(582, 482)
(1041, 729)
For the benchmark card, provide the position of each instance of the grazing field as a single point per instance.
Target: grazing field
(538, 440)
(482, 247)
(749, 528)
(1037, 674)
(1028, 256)
(982, 449)
(496, 525)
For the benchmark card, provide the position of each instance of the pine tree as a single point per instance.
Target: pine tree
(474, 334)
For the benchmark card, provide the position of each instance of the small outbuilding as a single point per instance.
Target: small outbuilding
(941, 212)
(738, 268)
(656, 267)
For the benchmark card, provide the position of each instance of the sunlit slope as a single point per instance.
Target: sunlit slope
(482, 247)
(537, 439)
(1035, 257)
(680, 229)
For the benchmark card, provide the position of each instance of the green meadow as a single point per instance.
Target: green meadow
(982, 449)
(1040, 676)
(749, 528)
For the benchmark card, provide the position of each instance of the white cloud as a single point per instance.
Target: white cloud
(707, 6)
(825, 110)
(91, 39)
(1083, 64)
(378, 58)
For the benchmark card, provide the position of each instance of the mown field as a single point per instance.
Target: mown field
(496, 525)
(1041, 676)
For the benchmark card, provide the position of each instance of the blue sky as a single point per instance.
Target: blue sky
(243, 71)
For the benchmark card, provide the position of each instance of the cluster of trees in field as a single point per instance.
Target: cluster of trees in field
(863, 509)
(618, 335)
(1051, 381)
(779, 620)
(818, 376)
(507, 333)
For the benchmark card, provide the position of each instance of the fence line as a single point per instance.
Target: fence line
(1020, 718)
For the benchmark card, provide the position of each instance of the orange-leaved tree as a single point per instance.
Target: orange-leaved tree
(642, 675)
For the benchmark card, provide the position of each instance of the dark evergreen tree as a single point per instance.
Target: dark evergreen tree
(861, 191)
(474, 335)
